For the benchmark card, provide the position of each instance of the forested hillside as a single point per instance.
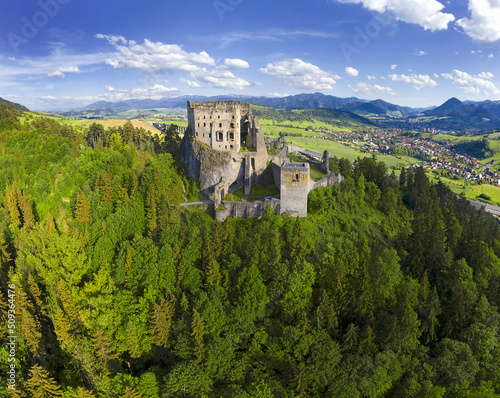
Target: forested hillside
(390, 288)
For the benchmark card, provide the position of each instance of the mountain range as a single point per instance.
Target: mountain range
(301, 101)
(453, 114)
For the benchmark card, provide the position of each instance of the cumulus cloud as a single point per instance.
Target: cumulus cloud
(483, 24)
(236, 63)
(370, 77)
(191, 83)
(61, 72)
(221, 77)
(364, 88)
(299, 74)
(426, 13)
(157, 57)
(473, 84)
(156, 91)
(154, 57)
(416, 81)
(110, 88)
(393, 67)
(350, 71)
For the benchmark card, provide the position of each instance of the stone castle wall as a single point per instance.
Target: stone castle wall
(247, 209)
(218, 124)
(329, 181)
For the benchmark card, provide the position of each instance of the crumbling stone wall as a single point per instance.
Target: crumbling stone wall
(246, 209)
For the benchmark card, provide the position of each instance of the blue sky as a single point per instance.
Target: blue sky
(61, 54)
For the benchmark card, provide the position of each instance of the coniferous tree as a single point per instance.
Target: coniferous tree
(198, 332)
(27, 212)
(11, 203)
(163, 313)
(41, 385)
(82, 209)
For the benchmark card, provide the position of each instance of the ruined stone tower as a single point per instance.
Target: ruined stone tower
(223, 147)
(295, 185)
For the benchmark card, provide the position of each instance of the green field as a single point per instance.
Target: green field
(342, 151)
(301, 125)
(274, 131)
(471, 191)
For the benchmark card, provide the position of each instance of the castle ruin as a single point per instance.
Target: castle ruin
(224, 149)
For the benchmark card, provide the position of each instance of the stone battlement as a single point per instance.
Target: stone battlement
(218, 105)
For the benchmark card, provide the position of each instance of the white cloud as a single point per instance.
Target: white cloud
(157, 57)
(221, 77)
(393, 66)
(191, 83)
(154, 57)
(350, 71)
(416, 81)
(474, 84)
(156, 91)
(277, 95)
(236, 63)
(109, 88)
(483, 25)
(370, 77)
(61, 72)
(420, 52)
(364, 88)
(426, 13)
(299, 74)
(491, 56)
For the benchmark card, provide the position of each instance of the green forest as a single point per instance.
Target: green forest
(389, 288)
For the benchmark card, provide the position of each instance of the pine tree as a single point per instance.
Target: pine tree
(181, 269)
(184, 302)
(351, 337)
(133, 341)
(82, 209)
(213, 273)
(4, 257)
(68, 304)
(51, 225)
(163, 313)
(63, 330)
(81, 392)
(367, 344)
(104, 349)
(104, 186)
(41, 385)
(198, 326)
(11, 201)
(325, 313)
(304, 324)
(29, 325)
(28, 217)
(301, 380)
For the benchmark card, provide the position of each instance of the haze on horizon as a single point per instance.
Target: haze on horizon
(62, 54)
